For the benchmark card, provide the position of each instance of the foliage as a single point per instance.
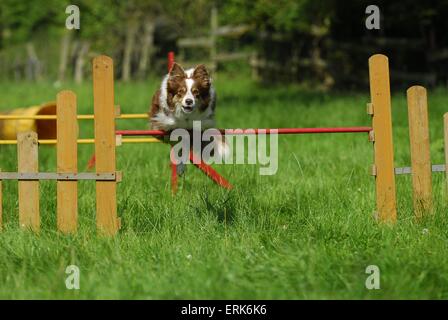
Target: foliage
(283, 15)
(21, 20)
(329, 31)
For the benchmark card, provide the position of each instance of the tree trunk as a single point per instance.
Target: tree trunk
(147, 48)
(63, 62)
(33, 66)
(128, 49)
(255, 74)
(18, 68)
(80, 61)
(213, 49)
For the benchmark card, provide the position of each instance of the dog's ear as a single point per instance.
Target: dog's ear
(176, 76)
(176, 71)
(201, 74)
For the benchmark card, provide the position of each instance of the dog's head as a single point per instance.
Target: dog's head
(188, 90)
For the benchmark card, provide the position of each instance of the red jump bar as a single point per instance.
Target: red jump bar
(256, 131)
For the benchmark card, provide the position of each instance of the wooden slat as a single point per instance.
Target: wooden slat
(103, 98)
(439, 54)
(393, 41)
(369, 108)
(67, 162)
(373, 170)
(421, 77)
(68, 176)
(231, 56)
(371, 136)
(87, 141)
(27, 154)
(118, 140)
(383, 145)
(143, 116)
(232, 30)
(117, 111)
(420, 154)
(195, 42)
(408, 170)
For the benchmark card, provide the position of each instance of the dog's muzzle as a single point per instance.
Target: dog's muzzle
(188, 105)
(187, 109)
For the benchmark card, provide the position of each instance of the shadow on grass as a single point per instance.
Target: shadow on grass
(222, 208)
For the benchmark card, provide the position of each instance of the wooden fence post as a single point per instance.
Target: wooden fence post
(27, 154)
(420, 153)
(67, 162)
(104, 109)
(383, 143)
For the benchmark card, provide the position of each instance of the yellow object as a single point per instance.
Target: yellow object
(79, 116)
(386, 202)
(42, 120)
(45, 129)
(87, 141)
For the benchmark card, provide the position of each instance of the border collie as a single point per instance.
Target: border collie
(186, 96)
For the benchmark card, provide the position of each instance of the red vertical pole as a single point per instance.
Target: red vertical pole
(170, 60)
(209, 171)
(172, 165)
(173, 172)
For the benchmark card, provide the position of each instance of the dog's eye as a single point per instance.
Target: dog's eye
(181, 91)
(195, 92)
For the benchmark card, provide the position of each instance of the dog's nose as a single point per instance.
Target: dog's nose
(189, 102)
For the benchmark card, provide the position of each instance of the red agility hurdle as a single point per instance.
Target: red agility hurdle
(208, 170)
(257, 131)
(380, 133)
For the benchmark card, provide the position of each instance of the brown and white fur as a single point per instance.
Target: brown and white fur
(184, 97)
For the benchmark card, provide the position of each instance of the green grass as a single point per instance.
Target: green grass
(305, 233)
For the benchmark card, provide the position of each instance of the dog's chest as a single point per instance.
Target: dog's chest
(186, 120)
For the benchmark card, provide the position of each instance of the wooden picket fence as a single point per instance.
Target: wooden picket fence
(67, 175)
(381, 135)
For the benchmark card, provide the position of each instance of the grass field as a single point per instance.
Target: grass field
(305, 233)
